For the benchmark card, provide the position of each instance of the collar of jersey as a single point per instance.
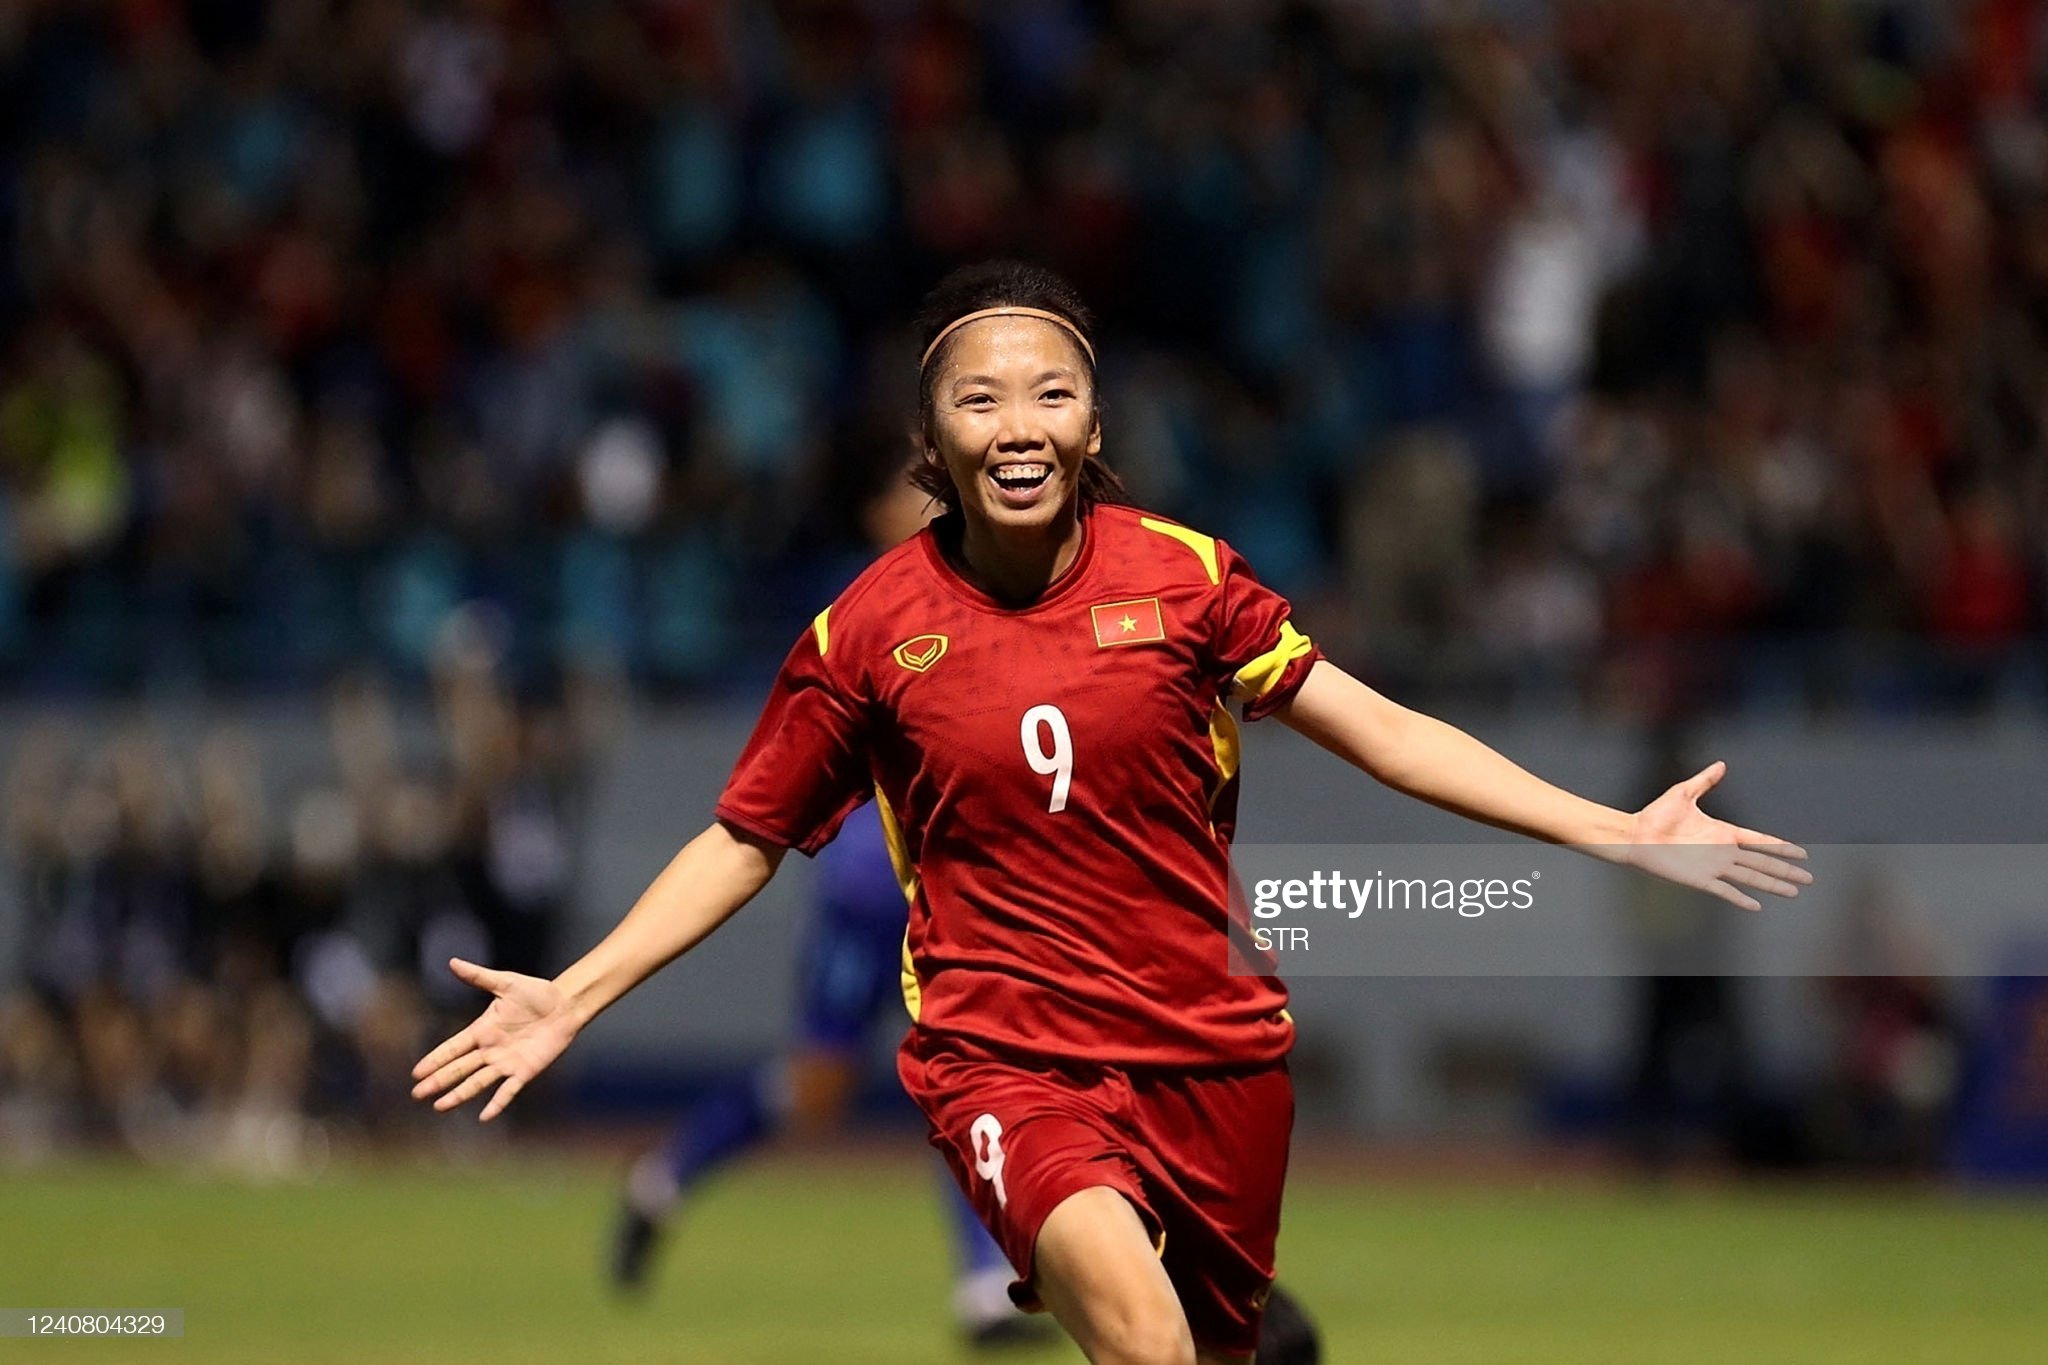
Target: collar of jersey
(1057, 591)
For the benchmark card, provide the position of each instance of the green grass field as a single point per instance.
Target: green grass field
(807, 1261)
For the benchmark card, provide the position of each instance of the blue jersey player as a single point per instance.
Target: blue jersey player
(851, 983)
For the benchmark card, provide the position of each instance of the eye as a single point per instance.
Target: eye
(1055, 394)
(976, 400)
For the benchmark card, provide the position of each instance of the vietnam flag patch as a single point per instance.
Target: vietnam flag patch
(1135, 622)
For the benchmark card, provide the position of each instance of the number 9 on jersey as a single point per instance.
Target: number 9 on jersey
(1056, 763)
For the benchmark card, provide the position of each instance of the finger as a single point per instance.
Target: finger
(1732, 896)
(1702, 782)
(1762, 881)
(1769, 843)
(448, 1075)
(512, 1086)
(483, 978)
(478, 1082)
(449, 1050)
(1776, 867)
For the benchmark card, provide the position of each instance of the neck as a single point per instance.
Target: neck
(1018, 566)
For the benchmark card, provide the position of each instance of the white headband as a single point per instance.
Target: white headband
(1005, 312)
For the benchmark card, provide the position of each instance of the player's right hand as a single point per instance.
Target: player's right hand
(524, 1029)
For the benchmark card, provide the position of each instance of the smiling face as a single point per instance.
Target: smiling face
(1013, 419)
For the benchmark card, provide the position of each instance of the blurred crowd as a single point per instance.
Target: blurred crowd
(1614, 353)
(214, 969)
(1890, 1028)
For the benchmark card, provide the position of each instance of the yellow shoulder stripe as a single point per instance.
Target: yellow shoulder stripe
(1203, 546)
(1259, 677)
(823, 632)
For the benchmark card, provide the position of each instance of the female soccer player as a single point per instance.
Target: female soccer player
(1032, 689)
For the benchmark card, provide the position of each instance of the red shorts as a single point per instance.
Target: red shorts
(1202, 1156)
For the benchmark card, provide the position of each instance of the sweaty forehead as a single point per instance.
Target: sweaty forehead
(997, 345)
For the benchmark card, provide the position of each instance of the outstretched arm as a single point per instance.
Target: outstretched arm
(1441, 764)
(530, 1021)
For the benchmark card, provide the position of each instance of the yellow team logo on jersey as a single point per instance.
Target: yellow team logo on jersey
(920, 652)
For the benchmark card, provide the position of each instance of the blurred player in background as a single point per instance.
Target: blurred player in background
(1058, 797)
(849, 985)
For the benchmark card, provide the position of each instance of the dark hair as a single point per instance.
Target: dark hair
(994, 284)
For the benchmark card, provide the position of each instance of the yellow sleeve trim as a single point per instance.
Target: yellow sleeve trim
(1262, 674)
(1203, 546)
(822, 631)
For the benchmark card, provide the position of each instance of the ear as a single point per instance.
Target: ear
(1094, 446)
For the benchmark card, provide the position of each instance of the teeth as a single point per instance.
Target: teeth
(1021, 473)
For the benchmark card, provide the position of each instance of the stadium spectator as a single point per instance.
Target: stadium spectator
(311, 311)
(200, 984)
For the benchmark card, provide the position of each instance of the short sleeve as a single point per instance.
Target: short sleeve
(1262, 658)
(805, 768)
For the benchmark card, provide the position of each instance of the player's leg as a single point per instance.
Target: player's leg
(1040, 1155)
(727, 1122)
(808, 1090)
(807, 1093)
(1287, 1334)
(1097, 1270)
(1214, 1166)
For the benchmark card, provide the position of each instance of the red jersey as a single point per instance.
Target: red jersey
(1058, 783)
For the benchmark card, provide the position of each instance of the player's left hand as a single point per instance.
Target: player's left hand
(1674, 839)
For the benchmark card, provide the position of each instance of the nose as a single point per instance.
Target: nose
(1021, 429)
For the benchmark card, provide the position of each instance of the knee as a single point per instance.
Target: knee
(1152, 1338)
